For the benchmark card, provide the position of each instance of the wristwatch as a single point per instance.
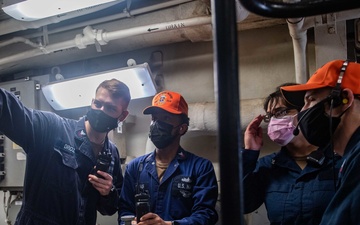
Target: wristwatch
(174, 223)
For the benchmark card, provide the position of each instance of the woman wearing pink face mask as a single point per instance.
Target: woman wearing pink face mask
(296, 183)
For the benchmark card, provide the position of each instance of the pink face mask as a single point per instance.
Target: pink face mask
(281, 130)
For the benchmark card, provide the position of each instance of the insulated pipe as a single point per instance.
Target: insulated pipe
(203, 115)
(299, 37)
(91, 36)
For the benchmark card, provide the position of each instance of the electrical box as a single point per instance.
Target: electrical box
(13, 158)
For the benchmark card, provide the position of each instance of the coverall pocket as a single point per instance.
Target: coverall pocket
(61, 173)
(181, 196)
(322, 194)
(276, 200)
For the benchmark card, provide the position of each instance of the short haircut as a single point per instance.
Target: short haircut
(117, 89)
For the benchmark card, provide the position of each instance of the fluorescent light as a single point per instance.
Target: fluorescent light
(29, 10)
(78, 92)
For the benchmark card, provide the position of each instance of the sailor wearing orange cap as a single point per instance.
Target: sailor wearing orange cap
(331, 115)
(181, 187)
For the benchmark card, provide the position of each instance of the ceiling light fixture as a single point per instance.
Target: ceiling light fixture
(78, 92)
(29, 10)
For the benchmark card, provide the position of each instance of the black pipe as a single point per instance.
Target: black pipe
(270, 8)
(226, 80)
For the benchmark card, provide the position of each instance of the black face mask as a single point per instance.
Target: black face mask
(314, 124)
(160, 134)
(100, 121)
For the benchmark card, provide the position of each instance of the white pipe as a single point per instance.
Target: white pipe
(91, 36)
(42, 22)
(17, 40)
(12, 25)
(119, 16)
(36, 52)
(241, 12)
(173, 25)
(299, 37)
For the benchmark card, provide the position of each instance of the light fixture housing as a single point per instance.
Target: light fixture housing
(29, 10)
(78, 92)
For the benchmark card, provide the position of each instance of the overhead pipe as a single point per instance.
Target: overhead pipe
(125, 14)
(173, 25)
(12, 25)
(94, 36)
(102, 37)
(19, 40)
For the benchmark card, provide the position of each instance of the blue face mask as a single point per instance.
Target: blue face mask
(160, 134)
(100, 121)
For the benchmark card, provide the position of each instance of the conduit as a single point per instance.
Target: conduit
(92, 36)
(17, 40)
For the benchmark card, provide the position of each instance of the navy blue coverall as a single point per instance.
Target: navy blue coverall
(344, 207)
(186, 194)
(59, 157)
(291, 195)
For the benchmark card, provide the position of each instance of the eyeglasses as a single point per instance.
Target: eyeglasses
(279, 113)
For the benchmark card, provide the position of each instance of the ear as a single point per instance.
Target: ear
(123, 116)
(183, 128)
(347, 97)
